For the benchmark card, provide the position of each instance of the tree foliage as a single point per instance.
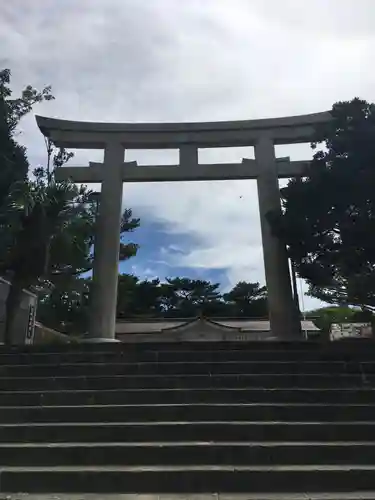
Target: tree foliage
(248, 299)
(324, 317)
(186, 298)
(328, 220)
(46, 228)
(67, 307)
(36, 216)
(14, 165)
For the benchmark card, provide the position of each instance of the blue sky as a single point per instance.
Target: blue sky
(193, 60)
(160, 252)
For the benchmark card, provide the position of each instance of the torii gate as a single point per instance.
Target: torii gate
(115, 138)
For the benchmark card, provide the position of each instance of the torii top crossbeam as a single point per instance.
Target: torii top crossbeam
(187, 137)
(86, 135)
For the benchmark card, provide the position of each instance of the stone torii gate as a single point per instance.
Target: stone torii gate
(115, 138)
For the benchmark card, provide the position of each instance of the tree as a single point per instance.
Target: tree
(176, 297)
(36, 215)
(71, 256)
(148, 298)
(65, 307)
(46, 228)
(138, 298)
(248, 300)
(186, 297)
(13, 185)
(126, 291)
(13, 162)
(324, 317)
(328, 220)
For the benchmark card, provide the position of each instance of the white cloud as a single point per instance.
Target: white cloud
(168, 60)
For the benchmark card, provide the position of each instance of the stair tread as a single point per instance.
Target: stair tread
(157, 423)
(186, 468)
(169, 444)
(190, 375)
(257, 361)
(202, 405)
(360, 495)
(359, 389)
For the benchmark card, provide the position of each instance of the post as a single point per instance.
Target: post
(107, 242)
(188, 156)
(284, 320)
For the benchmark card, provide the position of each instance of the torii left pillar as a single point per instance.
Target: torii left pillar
(102, 327)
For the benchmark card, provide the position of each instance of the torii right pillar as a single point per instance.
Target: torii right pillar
(283, 314)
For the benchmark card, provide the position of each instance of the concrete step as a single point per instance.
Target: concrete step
(265, 380)
(192, 412)
(261, 431)
(185, 368)
(185, 479)
(261, 418)
(160, 355)
(347, 345)
(188, 431)
(353, 495)
(183, 395)
(186, 453)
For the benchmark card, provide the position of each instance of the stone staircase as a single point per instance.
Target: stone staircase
(263, 419)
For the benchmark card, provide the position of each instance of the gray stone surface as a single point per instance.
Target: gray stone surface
(225, 453)
(106, 247)
(260, 496)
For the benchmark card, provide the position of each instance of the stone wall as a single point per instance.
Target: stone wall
(44, 335)
(350, 330)
(23, 329)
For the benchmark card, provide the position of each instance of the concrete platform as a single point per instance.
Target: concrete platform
(179, 421)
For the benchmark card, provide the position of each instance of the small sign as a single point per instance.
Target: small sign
(30, 331)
